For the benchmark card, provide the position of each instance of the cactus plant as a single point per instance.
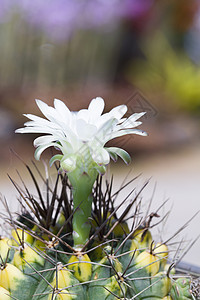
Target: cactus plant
(72, 242)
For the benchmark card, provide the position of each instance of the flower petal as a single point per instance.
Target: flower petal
(43, 123)
(128, 125)
(113, 155)
(121, 153)
(40, 149)
(81, 135)
(105, 131)
(100, 169)
(63, 110)
(48, 112)
(119, 133)
(131, 121)
(68, 164)
(42, 140)
(35, 129)
(83, 114)
(118, 112)
(38, 119)
(61, 107)
(85, 131)
(101, 156)
(95, 109)
(66, 147)
(55, 158)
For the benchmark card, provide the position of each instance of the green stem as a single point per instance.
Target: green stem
(82, 184)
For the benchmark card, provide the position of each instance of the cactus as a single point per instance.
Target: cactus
(48, 257)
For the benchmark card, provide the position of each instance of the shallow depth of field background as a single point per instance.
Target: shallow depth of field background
(144, 53)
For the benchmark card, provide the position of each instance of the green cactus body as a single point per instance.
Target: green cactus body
(18, 284)
(157, 286)
(77, 277)
(148, 261)
(81, 265)
(26, 256)
(40, 263)
(142, 237)
(181, 289)
(106, 288)
(59, 284)
(105, 281)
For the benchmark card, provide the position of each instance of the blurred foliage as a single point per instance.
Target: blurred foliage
(29, 59)
(169, 73)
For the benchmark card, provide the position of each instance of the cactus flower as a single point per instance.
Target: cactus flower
(81, 138)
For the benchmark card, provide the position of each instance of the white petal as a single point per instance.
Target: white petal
(42, 123)
(132, 119)
(42, 140)
(95, 109)
(136, 116)
(55, 158)
(122, 120)
(20, 130)
(128, 124)
(63, 110)
(125, 132)
(118, 111)
(100, 169)
(105, 130)
(115, 113)
(48, 112)
(121, 153)
(40, 149)
(66, 147)
(32, 130)
(101, 156)
(103, 119)
(85, 131)
(39, 129)
(83, 114)
(36, 118)
(55, 119)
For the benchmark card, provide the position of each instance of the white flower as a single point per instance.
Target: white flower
(81, 136)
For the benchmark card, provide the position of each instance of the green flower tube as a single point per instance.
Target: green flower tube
(82, 184)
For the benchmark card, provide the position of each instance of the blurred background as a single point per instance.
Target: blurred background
(144, 53)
